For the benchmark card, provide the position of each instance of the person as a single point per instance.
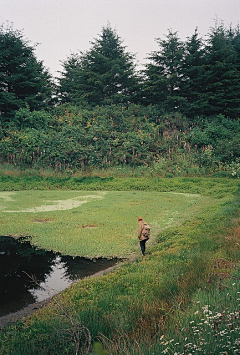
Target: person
(141, 238)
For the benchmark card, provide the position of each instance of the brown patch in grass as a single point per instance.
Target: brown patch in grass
(89, 226)
(42, 220)
(233, 238)
(223, 270)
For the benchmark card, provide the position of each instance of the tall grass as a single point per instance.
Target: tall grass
(15, 180)
(210, 325)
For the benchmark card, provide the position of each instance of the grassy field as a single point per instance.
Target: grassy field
(182, 298)
(94, 223)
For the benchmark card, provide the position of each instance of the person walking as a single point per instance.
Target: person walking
(143, 234)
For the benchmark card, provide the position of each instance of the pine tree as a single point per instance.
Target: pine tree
(222, 71)
(194, 79)
(23, 79)
(164, 73)
(234, 37)
(69, 82)
(103, 75)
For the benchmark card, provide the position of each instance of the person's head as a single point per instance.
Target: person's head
(140, 219)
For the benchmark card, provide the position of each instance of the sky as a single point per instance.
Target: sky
(63, 27)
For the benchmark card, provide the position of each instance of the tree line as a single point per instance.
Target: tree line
(195, 77)
(180, 114)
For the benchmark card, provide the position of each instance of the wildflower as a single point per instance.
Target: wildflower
(222, 333)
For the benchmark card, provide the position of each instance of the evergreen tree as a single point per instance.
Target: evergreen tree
(194, 78)
(164, 74)
(234, 37)
(69, 82)
(103, 75)
(23, 79)
(222, 71)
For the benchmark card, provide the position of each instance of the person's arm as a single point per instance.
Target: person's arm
(140, 228)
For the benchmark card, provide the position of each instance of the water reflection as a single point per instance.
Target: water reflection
(54, 272)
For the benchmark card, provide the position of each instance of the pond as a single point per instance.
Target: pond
(29, 274)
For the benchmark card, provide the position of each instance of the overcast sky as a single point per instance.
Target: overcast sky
(62, 27)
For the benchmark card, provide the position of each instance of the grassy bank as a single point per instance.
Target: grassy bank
(14, 180)
(147, 307)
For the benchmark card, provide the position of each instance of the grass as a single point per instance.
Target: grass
(13, 179)
(93, 223)
(147, 307)
(213, 325)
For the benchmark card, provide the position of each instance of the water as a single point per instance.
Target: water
(29, 275)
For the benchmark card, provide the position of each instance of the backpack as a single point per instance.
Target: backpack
(146, 230)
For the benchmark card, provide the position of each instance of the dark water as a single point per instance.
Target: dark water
(54, 272)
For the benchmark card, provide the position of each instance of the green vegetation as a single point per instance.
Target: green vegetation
(13, 179)
(104, 75)
(149, 306)
(211, 325)
(195, 77)
(164, 144)
(24, 82)
(118, 140)
(177, 117)
(93, 224)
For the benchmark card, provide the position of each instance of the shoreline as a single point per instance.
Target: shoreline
(34, 307)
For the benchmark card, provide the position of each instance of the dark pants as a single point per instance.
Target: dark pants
(142, 246)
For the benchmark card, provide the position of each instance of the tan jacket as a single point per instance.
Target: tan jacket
(140, 229)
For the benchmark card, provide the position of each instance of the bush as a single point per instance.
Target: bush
(72, 138)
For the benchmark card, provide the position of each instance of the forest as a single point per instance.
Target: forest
(177, 116)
